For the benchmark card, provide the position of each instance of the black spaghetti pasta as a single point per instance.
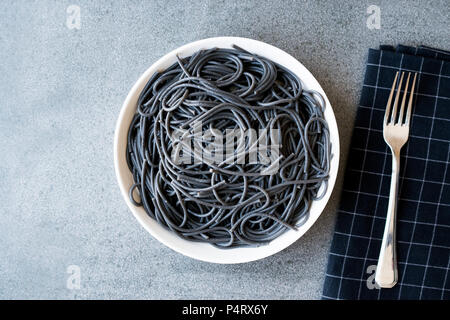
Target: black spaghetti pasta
(228, 202)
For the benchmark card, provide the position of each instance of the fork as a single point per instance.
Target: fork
(395, 133)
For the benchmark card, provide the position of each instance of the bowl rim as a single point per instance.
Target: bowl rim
(203, 251)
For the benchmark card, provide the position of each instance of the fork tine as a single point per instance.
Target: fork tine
(388, 105)
(397, 96)
(402, 108)
(408, 113)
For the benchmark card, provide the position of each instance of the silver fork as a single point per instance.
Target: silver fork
(395, 133)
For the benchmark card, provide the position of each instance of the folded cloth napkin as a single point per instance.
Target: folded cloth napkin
(423, 215)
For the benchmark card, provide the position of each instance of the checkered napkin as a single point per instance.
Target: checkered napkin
(423, 216)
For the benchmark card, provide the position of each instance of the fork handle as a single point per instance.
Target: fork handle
(386, 274)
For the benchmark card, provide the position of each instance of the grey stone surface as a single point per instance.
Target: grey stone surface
(60, 94)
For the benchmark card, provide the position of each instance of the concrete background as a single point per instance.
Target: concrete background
(60, 94)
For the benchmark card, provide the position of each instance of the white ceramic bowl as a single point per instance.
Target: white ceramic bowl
(204, 251)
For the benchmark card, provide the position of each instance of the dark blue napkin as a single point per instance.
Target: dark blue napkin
(423, 225)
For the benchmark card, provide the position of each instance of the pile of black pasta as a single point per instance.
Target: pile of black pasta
(229, 203)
